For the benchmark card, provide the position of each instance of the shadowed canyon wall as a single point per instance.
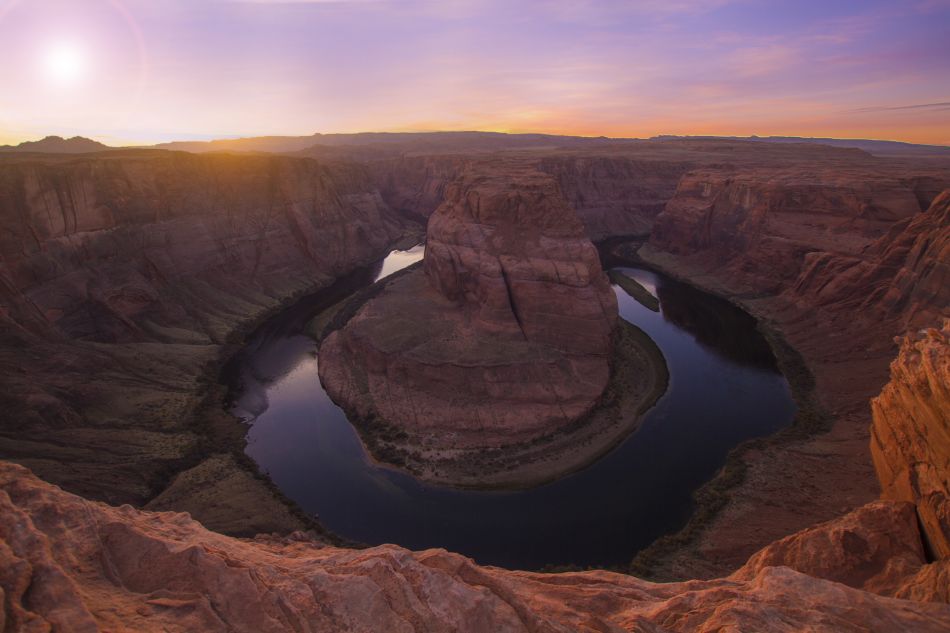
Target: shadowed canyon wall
(124, 274)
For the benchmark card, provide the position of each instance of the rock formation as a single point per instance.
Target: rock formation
(71, 564)
(504, 337)
(876, 548)
(910, 437)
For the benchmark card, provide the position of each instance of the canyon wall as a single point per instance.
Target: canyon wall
(134, 247)
(839, 258)
(910, 436)
(615, 195)
(415, 185)
(761, 224)
(122, 277)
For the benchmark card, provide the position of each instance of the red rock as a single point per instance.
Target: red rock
(910, 436)
(876, 548)
(74, 565)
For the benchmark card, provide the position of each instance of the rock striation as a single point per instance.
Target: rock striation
(905, 274)
(504, 336)
(616, 195)
(72, 564)
(910, 436)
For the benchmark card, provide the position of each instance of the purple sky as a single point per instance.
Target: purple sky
(150, 70)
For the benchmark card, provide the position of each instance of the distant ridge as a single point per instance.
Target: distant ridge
(58, 145)
(407, 141)
(881, 148)
(368, 145)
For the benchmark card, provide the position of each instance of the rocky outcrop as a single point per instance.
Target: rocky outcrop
(910, 436)
(504, 337)
(72, 564)
(124, 276)
(508, 248)
(877, 548)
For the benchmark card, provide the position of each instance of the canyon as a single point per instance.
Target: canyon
(129, 276)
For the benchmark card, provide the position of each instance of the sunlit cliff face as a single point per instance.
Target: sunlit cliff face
(144, 70)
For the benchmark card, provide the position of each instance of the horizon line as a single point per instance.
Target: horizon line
(661, 136)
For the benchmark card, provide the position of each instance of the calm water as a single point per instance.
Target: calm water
(724, 388)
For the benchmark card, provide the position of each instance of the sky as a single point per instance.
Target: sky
(142, 71)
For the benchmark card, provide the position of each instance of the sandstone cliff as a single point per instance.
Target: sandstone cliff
(122, 276)
(910, 437)
(616, 195)
(74, 565)
(905, 274)
(415, 185)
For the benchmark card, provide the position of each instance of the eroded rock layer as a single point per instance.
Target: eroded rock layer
(505, 336)
(74, 565)
(910, 437)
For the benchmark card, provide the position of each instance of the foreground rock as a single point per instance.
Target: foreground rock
(504, 337)
(910, 438)
(74, 565)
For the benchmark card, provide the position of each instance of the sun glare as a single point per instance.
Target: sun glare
(64, 64)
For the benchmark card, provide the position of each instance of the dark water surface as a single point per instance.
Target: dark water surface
(724, 388)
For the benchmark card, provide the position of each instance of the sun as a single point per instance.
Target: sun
(64, 64)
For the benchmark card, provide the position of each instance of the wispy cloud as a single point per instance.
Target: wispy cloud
(944, 105)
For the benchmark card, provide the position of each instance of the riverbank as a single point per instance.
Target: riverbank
(219, 484)
(813, 471)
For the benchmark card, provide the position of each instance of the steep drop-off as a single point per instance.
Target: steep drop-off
(910, 438)
(122, 278)
(616, 195)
